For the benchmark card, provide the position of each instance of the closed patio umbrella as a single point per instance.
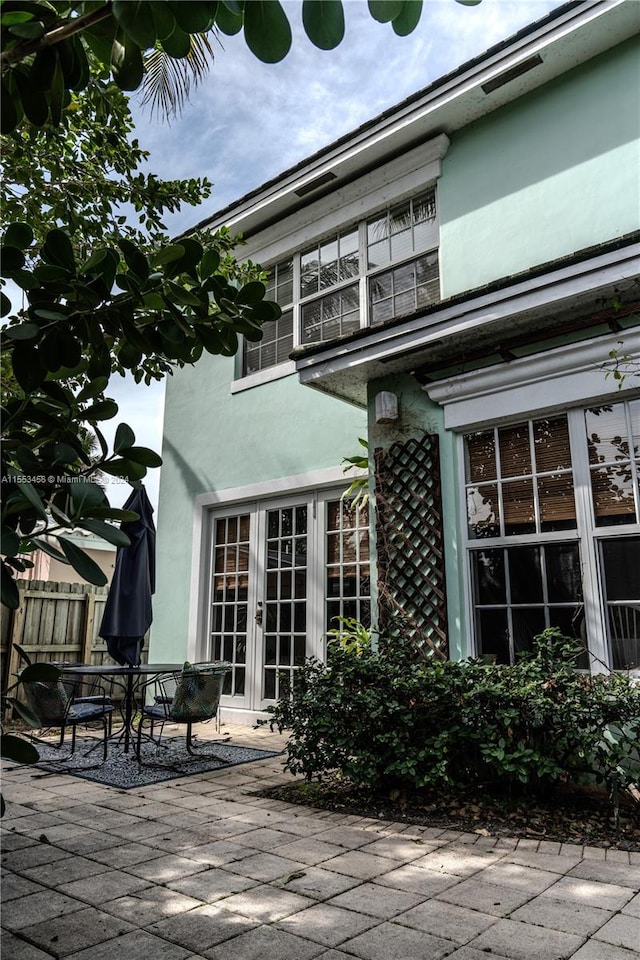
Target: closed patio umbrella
(128, 611)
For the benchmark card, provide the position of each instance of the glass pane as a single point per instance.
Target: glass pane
(527, 624)
(515, 454)
(483, 511)
(517, 503)
(270, 646)
(557, 502)
(634, 409)
(299, 651)
(285, 651)
(607, 435)
(299, 617)
(401, 245)
(404, 278)
(551, 440)
(613, 501)
(480, 457)
(424, 207)
(621, 560)
(405, 303)
(381, 312)
(285, 617)
(377, 230)
(399, 218)
(564, 576)
(493, 635)
(239, 681)
(381, 286)
(269, 684)
(379, 254)
(301, 519)
(525, 575)
(489, 576)
(624, 636)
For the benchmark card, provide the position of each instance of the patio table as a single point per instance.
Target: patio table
(127, 679)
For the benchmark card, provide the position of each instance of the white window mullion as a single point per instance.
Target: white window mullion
(592, 597)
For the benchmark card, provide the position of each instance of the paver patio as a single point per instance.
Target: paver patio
(200, 868)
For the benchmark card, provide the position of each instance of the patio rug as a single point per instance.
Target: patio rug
(167, 762)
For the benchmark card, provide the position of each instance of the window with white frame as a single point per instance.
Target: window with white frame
(372, 272)
(533, 544)
(282, 572)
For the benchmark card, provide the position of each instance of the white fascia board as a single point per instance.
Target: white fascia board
(554, 380)
(430, 111)
(530, 294)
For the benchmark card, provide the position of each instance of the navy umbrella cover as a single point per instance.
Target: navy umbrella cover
(128, 609)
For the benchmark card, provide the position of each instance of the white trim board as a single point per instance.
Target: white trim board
(565, 377)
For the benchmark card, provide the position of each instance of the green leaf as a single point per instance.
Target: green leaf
(92, 389)
(18, 749)
(125, 438)
(124, 468)
(323, 21)
(22, 654)
(469, 3)
(143, 455)
(252, 293)
(9, 594)
(227, 21)
(105, 531)
(193, 17)
(29, 492)
(266, 30)
(57, 92)
(406, 22)
(12, 260)
(8, 110)
(134, 258)
(102, 410)
(182, 296)
(384, 11)
(113, 513)
(174, 251)
(165, 20)
(85, 495)
(5, 305)
(126, 62)
(58, 250)
(137, 21)
(82, 563)
(209, 263)
(23, 331)
(27, 365)
(9, 541)
(177, 44)
(33, 30)
(18, 235)
(43, 68)
(40, 543)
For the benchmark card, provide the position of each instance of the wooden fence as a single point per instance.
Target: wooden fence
(54, 622)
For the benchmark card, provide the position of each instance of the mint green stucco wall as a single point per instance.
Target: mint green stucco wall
(555, 172)
(419, 415)
(214, 440)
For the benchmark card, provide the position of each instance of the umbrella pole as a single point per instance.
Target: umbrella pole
(128, 714)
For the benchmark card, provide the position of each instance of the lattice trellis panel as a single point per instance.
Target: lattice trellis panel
(411, 576)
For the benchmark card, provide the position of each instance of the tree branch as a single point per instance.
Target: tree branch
(68, 29)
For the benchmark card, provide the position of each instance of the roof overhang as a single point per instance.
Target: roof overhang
(594, 293)
(564, 39)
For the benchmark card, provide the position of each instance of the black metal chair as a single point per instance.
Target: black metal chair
(190, 696)
(54, 706)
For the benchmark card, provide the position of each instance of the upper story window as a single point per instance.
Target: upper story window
(372, 272)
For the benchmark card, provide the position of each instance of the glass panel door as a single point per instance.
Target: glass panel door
(230, 597)
(284, 614)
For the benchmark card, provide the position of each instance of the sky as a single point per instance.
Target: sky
(248, 121)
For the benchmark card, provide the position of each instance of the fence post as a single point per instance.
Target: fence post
(87, 639)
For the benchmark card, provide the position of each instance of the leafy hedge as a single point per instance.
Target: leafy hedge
(384, 721)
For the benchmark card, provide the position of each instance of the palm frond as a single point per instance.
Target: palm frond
(168, 81)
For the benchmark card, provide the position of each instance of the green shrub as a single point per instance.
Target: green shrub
(384, 720)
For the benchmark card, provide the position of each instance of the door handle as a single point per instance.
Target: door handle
(259, 614)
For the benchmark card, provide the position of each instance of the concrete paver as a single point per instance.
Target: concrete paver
(201, 868)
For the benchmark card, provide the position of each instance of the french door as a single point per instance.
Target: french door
(281, 571)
